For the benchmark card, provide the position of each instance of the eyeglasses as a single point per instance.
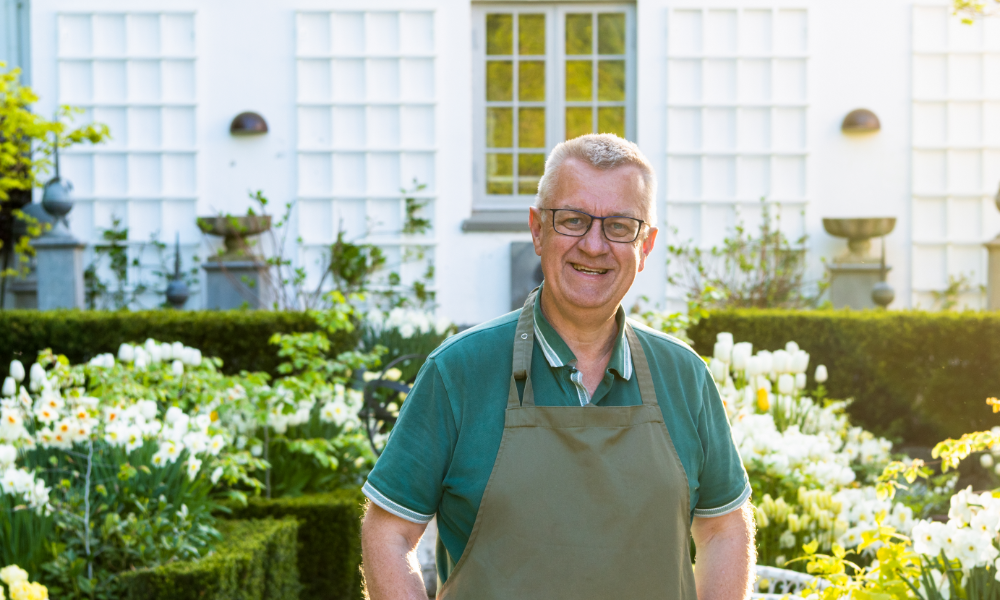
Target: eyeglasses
(575, 223)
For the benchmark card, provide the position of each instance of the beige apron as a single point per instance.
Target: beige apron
(584, 502)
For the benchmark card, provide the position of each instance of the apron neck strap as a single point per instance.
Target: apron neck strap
(524, 344)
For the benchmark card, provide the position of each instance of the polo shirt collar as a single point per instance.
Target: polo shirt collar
(558, 354)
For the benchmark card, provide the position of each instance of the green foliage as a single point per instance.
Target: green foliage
(257, 561)
(329, 540)
(766, 271)
(23, 535)
(27, 142)
(239, 338)
(915, 376)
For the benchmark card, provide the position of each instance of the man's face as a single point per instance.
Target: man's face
(591, 272)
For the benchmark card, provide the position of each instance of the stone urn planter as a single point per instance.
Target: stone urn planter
(235, 232)
(239, 277)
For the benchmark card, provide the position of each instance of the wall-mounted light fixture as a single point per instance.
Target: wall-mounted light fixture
(861, 120)
(248, 123)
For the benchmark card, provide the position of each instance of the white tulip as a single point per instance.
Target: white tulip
(821, 374)
(799, 362)
(986, 460)
(725, 336)
(155, 354)
(141, 362)
(177, 350)
(781, 360)
(754, 366)
(786, 384)
(766, 362)
(167, 352)
(36, 373)
(126, 353)
(195, 357)
(17, 370)
(177, 368)
(800, 381)
(791, 347)
(9, 387)
(724, 351)
(741, 354)
(719, 370)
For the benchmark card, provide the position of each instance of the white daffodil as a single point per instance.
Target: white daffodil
(216, 475)
(193, 466)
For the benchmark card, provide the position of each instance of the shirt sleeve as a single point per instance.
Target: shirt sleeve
(407, 478)
(723, 483)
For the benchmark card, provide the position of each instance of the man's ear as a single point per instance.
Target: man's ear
(647, 246)
(535, 223)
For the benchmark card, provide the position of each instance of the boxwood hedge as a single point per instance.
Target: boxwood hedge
(256, 561)
(915, 376)
(239, 338)
(329, 539)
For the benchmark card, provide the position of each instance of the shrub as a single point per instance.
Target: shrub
(239, 338)
(329, 540)
(913, 376)
(257, 561)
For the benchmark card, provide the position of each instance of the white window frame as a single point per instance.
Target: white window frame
(555, 104)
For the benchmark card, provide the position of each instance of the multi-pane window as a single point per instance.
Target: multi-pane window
(546, 74)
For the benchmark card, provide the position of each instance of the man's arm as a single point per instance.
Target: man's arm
(726, 555)
(389, 547)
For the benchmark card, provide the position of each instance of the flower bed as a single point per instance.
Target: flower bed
(913, 375)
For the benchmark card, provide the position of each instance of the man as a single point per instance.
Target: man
(567, 452)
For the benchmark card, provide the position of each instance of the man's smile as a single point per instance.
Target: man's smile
(588, 270)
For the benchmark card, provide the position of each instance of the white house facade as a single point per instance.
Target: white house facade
(732, 101)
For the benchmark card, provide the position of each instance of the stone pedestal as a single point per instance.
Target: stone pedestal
(851, 284)
(993, 274)
(59, 260)
(525, 272)
(25, 292)
(237, 284)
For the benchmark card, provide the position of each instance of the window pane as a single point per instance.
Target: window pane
(500, 34)
(531, 34)
(531, 80)
(611, 80)
(611, 119)
(499, 174)
(531, 128)
(499, 80)
(529, 170)
(579, 80)
(611, 33)
(579, 34)
(578, 121)
(499, 127)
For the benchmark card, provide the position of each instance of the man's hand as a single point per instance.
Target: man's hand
(726, 555)
(389, 548)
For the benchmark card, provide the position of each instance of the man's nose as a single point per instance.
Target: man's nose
(594, 241)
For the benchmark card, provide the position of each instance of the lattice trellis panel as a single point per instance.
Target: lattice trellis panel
(737, 113)
(956, 152)
(134, 72)
(366, 130)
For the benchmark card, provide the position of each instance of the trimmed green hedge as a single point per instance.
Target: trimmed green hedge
(914, 376)
(239, 338)
(256, 561)
(329, 540)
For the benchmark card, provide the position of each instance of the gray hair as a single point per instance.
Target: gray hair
(604, 151)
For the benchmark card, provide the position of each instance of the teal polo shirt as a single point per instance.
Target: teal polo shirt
(441, 451)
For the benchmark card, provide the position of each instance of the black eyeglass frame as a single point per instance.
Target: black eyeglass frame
(592, 219)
